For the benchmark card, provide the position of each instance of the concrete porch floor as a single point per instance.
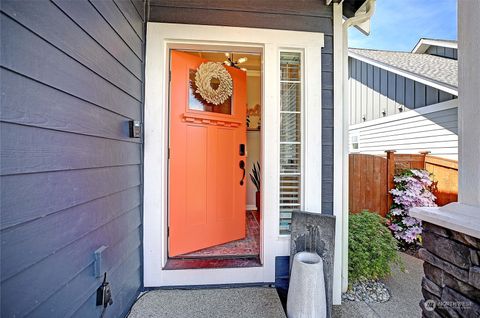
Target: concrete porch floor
(405, 291)
(246, 302)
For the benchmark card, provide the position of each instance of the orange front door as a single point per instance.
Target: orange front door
(207, 197)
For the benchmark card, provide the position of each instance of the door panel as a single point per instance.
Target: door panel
(225, 181)
(207, 201)
(196, 190)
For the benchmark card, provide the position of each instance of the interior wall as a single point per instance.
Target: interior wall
(254, 82)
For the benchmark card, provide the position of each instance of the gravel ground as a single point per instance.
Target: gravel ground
(368, 291)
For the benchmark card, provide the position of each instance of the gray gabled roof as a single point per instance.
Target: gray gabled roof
(439, 70)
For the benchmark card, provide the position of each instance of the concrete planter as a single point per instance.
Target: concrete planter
(306, 293)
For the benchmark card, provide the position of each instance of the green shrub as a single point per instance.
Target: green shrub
(371, 247)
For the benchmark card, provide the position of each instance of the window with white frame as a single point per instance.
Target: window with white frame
(290, 137)
(354, 141)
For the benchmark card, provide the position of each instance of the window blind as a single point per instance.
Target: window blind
(290, 137)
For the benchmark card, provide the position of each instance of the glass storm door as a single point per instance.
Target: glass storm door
(207, 176)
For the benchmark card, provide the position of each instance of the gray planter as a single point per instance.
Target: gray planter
(306, 293)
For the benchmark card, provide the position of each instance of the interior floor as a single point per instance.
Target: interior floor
(249, 246)
(240, 253)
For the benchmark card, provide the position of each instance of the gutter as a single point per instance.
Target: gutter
(345, 117)
(358, 19)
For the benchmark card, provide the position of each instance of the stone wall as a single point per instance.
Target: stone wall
(451, 284)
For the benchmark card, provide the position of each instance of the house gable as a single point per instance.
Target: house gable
(442, 48)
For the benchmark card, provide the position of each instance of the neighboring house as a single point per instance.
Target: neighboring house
(82, 194)
(405, 101)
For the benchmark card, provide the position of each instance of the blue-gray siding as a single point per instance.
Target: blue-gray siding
(377, 93)
(448, 52)
(71, 77)
(308, 15)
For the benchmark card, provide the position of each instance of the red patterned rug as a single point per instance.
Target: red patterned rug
(249, 246)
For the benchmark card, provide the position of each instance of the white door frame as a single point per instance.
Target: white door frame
(161, 37)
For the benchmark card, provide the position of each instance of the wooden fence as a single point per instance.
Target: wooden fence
(445, 174)
(371, 178)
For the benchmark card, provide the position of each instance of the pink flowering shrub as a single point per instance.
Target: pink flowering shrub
(412, 189)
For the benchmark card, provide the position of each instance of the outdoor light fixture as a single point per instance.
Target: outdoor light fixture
(231, 62)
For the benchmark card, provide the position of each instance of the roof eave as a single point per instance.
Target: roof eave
(423, 45)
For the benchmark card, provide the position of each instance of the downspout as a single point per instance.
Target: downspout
(357, 19)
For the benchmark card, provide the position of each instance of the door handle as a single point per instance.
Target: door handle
(242, 166)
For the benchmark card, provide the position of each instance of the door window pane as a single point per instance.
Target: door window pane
(196, 102)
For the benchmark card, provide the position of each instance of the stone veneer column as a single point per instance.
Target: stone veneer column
(451, 285)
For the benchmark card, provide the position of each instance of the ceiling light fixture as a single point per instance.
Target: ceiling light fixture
(231, 62)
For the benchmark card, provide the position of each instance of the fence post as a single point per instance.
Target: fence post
(424, 153)
(390, 175)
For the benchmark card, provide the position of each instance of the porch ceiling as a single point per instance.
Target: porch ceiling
(351, 6)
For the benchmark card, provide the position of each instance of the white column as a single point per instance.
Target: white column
(340, 155)
(469, 101)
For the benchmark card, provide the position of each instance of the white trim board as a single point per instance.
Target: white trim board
(416, 77)
(423, 45)
(407, 114)
(340, 156)
(161, 37)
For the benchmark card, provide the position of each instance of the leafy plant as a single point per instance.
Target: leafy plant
(412, 189)
(255, 175)
(371, 247)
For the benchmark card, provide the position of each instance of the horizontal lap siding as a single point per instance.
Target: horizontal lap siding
(72, 77)
(436, 132)
(306, 15)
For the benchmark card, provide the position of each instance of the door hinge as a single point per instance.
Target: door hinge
(168, 153)
(168, 231)
(169, 75)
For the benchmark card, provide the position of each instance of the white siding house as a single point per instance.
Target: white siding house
(405, 101)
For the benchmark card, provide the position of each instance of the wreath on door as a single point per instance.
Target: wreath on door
(208, 71)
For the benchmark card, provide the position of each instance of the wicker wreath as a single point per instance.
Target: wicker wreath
(203, 78)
